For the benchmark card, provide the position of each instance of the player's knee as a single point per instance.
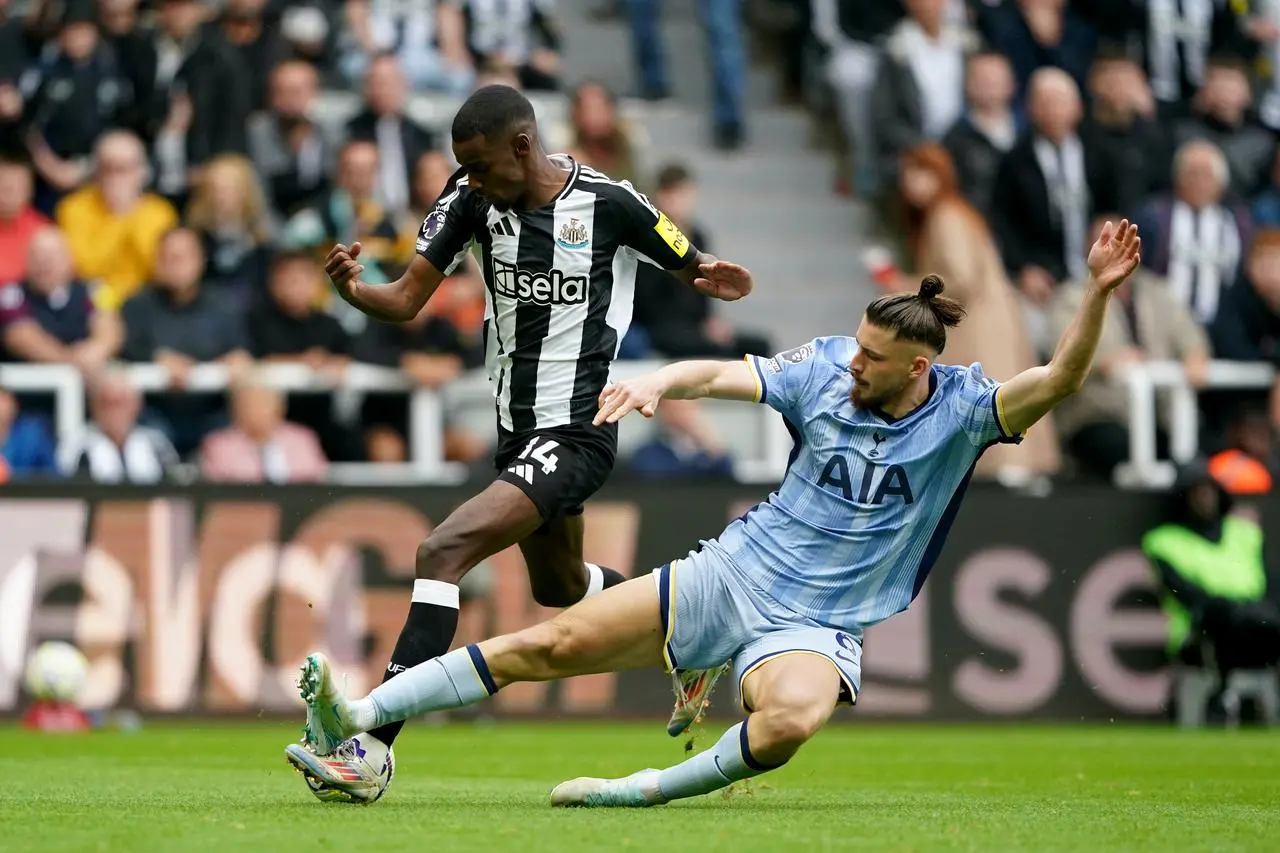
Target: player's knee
(441, 557)
(785, 727)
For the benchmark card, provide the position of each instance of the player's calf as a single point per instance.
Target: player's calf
(793, 696)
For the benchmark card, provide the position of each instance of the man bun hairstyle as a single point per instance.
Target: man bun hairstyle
(922, 317)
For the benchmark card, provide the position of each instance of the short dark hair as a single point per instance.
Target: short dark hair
(922, 317)
(492, 111)
(285, 257)
(1227, 62)
(674, 175)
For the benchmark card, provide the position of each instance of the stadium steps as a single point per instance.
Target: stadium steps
(770, 206)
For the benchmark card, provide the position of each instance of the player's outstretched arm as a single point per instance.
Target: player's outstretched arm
(684, 380)
(397, 302)
(1030, 395)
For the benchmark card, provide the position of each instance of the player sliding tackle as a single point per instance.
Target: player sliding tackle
(888, 439)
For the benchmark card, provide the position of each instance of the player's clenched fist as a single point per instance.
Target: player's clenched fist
(343, 268)
(616, 401)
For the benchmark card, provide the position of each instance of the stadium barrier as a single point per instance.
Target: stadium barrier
(756, 436)
(204, 600)
(1145, 381)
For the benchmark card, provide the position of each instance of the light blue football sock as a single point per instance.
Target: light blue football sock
(727, 762)
(454, 680)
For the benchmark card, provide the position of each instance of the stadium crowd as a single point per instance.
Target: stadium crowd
(995, 136)
(170, 184)
(168, 187)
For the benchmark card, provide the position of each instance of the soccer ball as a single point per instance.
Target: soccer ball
(56, 672)
(366, 794)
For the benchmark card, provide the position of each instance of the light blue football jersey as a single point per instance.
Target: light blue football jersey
(859, 520)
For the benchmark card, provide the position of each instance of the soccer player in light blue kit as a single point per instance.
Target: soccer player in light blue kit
(886, 440)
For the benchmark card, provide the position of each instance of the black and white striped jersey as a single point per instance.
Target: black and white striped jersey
(559, 286)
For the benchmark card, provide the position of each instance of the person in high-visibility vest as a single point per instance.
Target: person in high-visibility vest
(1215, 589)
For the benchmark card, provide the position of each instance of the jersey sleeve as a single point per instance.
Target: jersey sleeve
(781, 380)
(450, 226)
(977, 406)
(651, 233)
(13, 304)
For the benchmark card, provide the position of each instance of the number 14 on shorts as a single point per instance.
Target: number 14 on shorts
(538, 451)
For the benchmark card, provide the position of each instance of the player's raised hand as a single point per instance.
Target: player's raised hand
(1115, 255)
(621, 398)
(723, 280)
(343, 268)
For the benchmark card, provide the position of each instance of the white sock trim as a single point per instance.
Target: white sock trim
(595, 580)
(435, 592)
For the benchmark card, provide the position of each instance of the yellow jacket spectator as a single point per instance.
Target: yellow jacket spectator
(112, 225)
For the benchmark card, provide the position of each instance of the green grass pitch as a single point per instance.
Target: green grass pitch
(200, 786)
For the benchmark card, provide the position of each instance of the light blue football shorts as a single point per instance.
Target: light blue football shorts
(712, 613)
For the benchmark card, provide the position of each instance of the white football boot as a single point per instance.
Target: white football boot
(636, 791)
(329, 721)
(693, 694)
(358, 771)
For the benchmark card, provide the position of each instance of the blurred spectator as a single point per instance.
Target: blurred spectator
(1247, 326)
(292, 154)
(988, 129)
(1173, 41)
(1147, 323)
(1260, 23)
(428, 36)
(919, 88)
(73, 94)
(1037, 34)
(292, 329)
(134, 47)
(399, 139)
(260, 446)
(178, 323)
(677, 319)
(113, 226)
(722, 23)
(686, 445)
(600, 138)
(114, 447)
(1194, 238)
(431, 173)
(50, 315)
(204, 92)
(1122, 117)
(946, 235)
(516, 34)
(312, 29)
(1248, 464)
(432, 351)
(257, 46)
(1048, 188)
(350, 213)
(1266, 204)
(26, 443)
(14, 60)
(1221, 113)
(849, 30)
(229, 213)
(19, 221)
(1211, 566)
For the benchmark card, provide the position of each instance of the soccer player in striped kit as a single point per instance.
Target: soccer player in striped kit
(886, 440)
(558, 245)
